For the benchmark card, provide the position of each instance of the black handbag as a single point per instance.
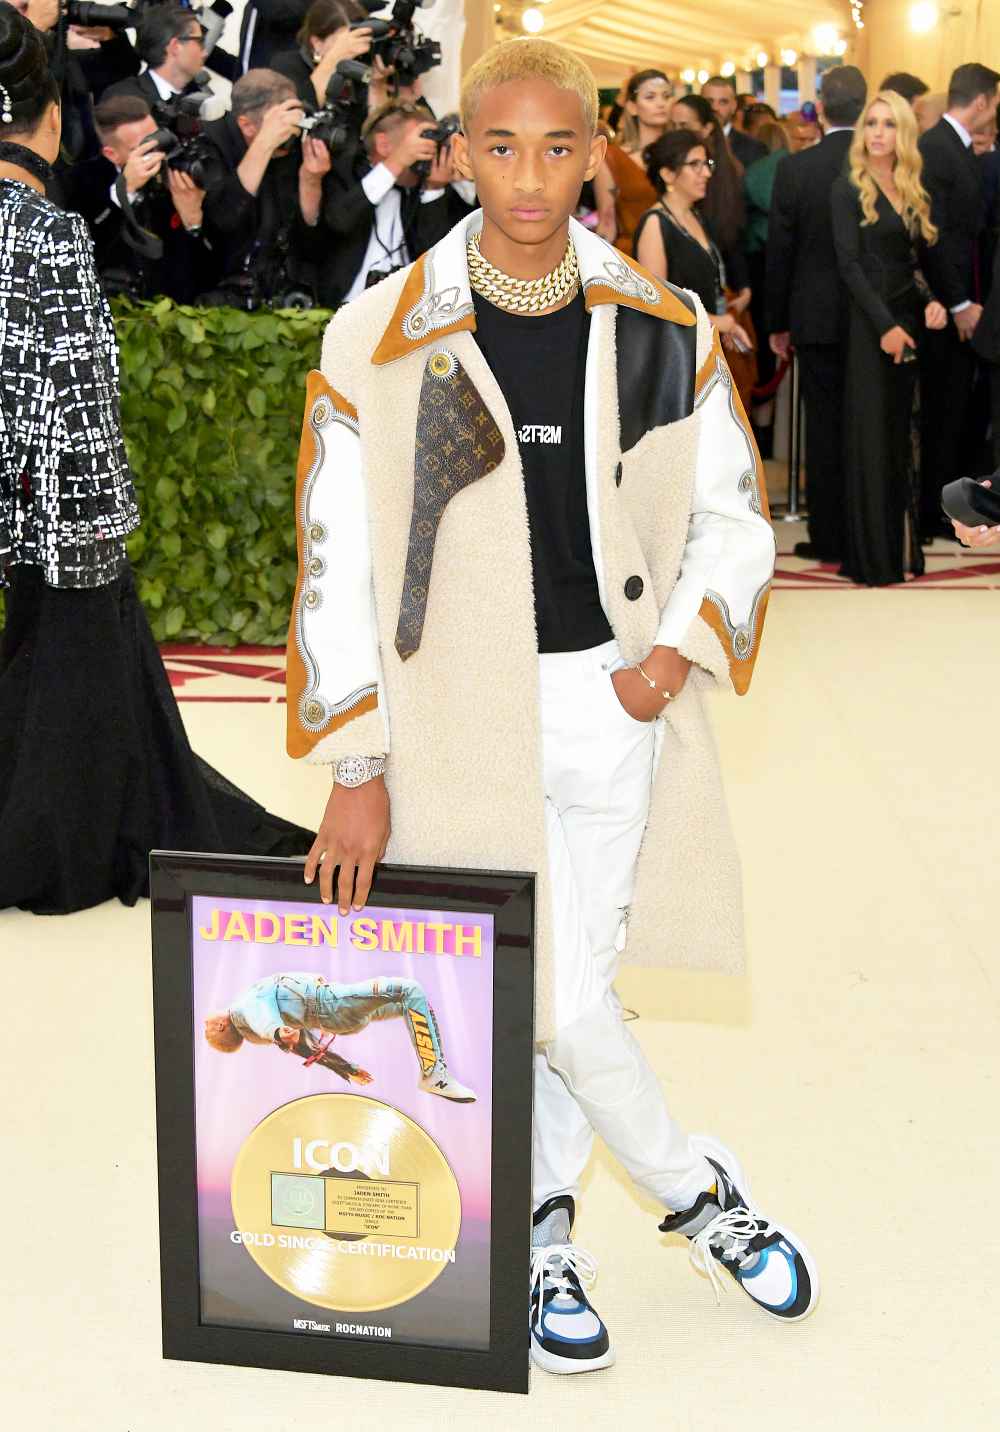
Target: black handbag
(966, 500)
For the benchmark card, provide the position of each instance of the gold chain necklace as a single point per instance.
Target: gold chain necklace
(522, 295)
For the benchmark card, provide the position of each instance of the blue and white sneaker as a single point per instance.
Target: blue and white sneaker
(566, 1333)
(770, 1264)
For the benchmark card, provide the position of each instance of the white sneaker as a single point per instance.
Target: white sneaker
(439, 1080)
(567, 1334)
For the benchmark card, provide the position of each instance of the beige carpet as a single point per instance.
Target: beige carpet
(855, 1072)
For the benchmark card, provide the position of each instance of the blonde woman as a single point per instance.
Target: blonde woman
(881, 228)
(622, 190)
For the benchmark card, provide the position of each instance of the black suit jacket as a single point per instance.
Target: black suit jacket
(142, 87)
(954, 181)
(348, 215)
(805, 293)
(188, 266)
(745, 147)
(262, 233)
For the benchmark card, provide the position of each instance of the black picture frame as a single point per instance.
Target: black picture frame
(175, 879)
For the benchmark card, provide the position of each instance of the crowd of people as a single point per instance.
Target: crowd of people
(324, 171)
(860, 233)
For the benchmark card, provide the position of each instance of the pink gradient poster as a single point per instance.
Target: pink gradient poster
(343, 1070)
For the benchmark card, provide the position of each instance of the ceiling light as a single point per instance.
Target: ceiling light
(825, 38)
(789, 58)
(687, 76)
(532, 20)
(923, 17)
(762, 58)
(727, 70)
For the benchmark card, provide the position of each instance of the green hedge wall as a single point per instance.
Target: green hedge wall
(212, 403)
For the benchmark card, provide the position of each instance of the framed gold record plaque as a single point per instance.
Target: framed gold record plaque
(344, 1120)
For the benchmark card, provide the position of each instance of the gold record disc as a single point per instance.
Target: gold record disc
(346, 1202)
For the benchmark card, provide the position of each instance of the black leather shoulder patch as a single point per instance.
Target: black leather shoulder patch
(656, 371)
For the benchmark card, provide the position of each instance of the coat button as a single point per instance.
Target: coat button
(634, 588)
(618, 475)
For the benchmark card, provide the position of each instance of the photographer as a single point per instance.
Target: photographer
(79, 137)
(170, 40)
(384, 213)
(254, 209)
(323, 41)
(162, 201)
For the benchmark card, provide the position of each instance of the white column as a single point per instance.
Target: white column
(807, 78)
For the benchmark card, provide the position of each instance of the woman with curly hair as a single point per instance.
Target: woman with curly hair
(622, 190)
(882, 226)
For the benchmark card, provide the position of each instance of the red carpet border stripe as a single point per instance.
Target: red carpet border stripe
(256, 674)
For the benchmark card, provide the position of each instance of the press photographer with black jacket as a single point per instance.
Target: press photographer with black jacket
(324, 40)
(254, 209)
(379, 214)
(163, 202)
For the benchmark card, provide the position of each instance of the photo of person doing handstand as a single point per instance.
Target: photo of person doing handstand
(283, 1009)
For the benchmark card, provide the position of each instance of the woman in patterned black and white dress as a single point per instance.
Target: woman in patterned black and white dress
(95, 768)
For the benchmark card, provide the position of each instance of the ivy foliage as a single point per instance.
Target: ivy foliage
(212, 403)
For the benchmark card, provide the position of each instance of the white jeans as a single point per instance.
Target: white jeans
(593, 1076)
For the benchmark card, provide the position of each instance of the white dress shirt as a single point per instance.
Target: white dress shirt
(386, 242)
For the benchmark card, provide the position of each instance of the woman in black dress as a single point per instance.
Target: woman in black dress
(95, 768)
(724, 207)
(881, 224)
(673, 239)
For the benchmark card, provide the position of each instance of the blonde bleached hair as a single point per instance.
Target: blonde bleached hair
(906, 172)
(528, 59)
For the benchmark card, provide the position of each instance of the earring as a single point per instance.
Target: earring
(6, 112)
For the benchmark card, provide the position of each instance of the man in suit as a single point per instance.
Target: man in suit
(806, 303)
(163, 202)
(954, 181)
(380, 215)
(264, 193)
(721, 95)
(171, 42)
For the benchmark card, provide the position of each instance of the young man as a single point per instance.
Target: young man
(581, 549)
(280, 1009)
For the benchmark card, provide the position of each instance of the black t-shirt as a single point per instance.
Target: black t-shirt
(539, 364)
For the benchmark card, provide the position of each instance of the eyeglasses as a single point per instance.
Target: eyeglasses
(198, 39)
(708, 165)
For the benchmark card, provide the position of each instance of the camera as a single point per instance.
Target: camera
(179, 136)
(441, 133)
(115, 17)
(399, 45)
(333, 123)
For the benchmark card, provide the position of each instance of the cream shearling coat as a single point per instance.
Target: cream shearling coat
(684, 510)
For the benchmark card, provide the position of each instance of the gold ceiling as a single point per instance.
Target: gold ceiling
(620, 36)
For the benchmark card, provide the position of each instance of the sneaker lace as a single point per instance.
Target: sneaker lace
(733, 1229)
(563, 1267)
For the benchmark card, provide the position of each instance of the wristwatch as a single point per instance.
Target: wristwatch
(354, 771)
